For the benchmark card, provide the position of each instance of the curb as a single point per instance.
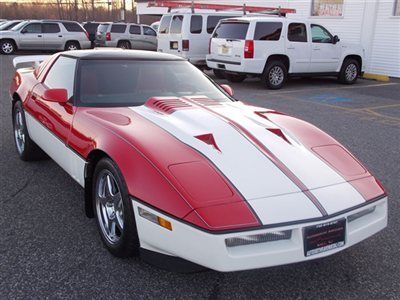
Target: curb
(376, 77)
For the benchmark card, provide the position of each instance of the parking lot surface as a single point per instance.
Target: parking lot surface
(49, 249)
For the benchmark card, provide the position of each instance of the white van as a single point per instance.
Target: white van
(188, 34)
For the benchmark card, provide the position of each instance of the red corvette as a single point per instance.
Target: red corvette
(174, 167)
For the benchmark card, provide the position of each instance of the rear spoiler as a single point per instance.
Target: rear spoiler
(29, 61)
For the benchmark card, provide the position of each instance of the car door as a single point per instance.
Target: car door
(325, 54)
(135, 37)
(149, 38)
(298, 48)
(52, 36)
(51, 122)
(31, 36)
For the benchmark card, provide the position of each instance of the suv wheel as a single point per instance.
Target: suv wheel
(235, 77)
(219, 73)
(275, 75)
(349, 71)
(72, 46)
(124, 45)
(7, 47)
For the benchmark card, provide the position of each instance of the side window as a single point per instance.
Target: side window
(149, 31)
(320, 34)
(50, 28)
(118, 28)
(176, 24)
(212, 22)
(164, 24)
(196, 24)
(62, 75)
(73, 27)
(297, 32)
(134, 29)
(268, 31)
(32, 28)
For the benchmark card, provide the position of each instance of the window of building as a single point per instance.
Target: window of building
(268, 31)
(297, 32)
(327, 8)
(196, 24)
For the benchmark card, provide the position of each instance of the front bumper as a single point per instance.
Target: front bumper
(210, 249)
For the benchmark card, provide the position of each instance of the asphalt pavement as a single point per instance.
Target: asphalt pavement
(49, 249)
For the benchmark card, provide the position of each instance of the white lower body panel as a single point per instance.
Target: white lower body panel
(209, 250)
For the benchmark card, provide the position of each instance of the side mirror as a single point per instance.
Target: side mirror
(56, 95)
(23, 31)
(336, 39)
(227, 89)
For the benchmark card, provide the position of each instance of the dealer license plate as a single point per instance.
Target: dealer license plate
(324, 237)
(173, 45)
(225, 50)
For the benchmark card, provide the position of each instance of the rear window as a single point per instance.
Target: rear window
(176, 24)
(134, 29)
(118, 28)
(196, 24)
(103, 27)
(164, 24)
(268, 31)
(212, 22)
(73, 27)
(231, 30)
(91, 27)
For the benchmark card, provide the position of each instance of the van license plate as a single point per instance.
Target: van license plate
(324, 237)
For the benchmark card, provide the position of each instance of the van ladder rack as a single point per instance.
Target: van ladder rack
(218, 7)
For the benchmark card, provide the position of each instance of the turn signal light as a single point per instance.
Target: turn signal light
(155, 219)
(249, 49)
(185, 45)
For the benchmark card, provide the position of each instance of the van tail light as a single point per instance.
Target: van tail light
(108, 36)
(249, 49)
(185, 45)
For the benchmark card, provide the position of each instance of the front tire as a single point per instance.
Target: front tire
(26, 148)
(7, 47)
(275, 75)
(349, 72)
(114, 211)
(235, 77)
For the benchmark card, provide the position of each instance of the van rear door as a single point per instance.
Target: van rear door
(170, 34)
(228, 41)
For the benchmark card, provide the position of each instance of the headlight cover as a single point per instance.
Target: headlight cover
(258, 238)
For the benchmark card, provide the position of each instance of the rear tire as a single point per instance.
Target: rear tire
(7, 47)
(124, 45)
(349, 72)
(219, 73)
(235, 77)
(26, 148)
(70, 46)
(275, 75)
(113, 210)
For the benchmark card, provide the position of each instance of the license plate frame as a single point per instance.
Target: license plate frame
(324, 237)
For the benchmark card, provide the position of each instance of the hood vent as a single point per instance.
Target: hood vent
(167, 105)
(204, 101)
(208, 139)
(279, 133)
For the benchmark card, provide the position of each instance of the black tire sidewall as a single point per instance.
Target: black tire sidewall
(7, 41)
(128, 245)
(342, 76)
(265, 76)
(72, 43)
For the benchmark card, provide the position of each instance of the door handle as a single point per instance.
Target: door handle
(291, 48)
(316, 49)
(60, 36)
(39, 35)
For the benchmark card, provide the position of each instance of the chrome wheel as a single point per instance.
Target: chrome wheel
(19, 131)
(7, 47)
(351, 72)
(72, 47)
(109, 206)
(276, 76)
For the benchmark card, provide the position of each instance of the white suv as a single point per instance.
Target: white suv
(274, 48)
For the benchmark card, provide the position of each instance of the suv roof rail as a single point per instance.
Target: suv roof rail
(218, 7)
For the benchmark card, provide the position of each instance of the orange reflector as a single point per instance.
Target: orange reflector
(164, 223)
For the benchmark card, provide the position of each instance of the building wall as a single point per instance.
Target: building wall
(369, 22)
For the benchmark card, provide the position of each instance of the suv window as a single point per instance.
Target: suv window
(134, 29)
(231, 30)
(102, 27)
(50, 28)
(196, 24)
(320, 34)
(212, 22)
(62, 75)
(164, 24)
(176, 24)
(73, 27)
(33, 28)
(297, 32)
(149, 31)
(118, 28)
(268, 31)
(91, 27)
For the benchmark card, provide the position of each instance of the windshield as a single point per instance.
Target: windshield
(113, 83)
(19, 26)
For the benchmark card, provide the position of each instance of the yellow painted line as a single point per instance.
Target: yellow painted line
(382, 106)
(377, 77)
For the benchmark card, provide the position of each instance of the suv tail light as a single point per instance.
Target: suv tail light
(249, 49)
(87, 34)
(185, 45)
(108, 36)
